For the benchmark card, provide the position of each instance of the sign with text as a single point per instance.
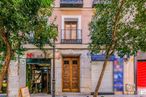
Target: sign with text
(24, 92)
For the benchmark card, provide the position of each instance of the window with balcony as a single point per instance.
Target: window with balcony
(71, 34)
(37, 41)
(71, 3)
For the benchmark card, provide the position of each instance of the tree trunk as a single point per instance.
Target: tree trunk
(101, 76)
(117, 18)
(7, 59)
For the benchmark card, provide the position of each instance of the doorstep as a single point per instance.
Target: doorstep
(63, 95)
(40, 95)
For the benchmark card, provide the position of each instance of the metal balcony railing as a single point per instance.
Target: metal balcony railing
(31, 40)
(71, 36)
(71, 3)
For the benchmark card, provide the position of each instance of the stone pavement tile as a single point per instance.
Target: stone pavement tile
(89, 96)
(44, 95)
(121, 96)
(2, 95)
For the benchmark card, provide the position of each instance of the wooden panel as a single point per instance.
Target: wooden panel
(66, 75)
(74, 30)
(70, 75)
(24, 92)
(75, 74)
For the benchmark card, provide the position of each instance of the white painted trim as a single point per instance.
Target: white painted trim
(71, 16)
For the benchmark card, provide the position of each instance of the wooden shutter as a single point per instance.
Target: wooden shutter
(75, 74)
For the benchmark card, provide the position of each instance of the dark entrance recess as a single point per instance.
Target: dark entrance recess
(39, 75)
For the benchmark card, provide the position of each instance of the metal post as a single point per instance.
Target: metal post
(53, 80)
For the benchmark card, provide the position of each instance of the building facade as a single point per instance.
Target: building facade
(76, 70)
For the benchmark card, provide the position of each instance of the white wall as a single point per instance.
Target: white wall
(13, 79)
(107, 82)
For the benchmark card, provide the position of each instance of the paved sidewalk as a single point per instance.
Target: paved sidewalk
(2, 95)
(45, 95)
(92, 96)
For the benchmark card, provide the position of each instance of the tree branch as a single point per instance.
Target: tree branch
(7, 57)
(117, 18)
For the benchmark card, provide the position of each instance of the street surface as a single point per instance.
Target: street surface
(45, 95)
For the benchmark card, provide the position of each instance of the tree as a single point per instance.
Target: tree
(17, 19)
(118, 27)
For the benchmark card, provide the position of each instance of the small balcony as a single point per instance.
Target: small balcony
(71, 3)
(71, 36)
(32, 40)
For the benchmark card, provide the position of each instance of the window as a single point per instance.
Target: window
(71, 32)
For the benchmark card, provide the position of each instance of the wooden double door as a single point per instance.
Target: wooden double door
(71, 75)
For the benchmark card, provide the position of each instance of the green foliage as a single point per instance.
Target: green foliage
(1, 59)
(120, 28)
(19, 17)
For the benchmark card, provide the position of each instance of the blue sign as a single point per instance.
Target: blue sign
(101, 57)
(118, 75)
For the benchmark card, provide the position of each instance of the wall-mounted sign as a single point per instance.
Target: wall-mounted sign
(29, 55)
(118, 75)
(38, 61)
(35, 55)
(101, 57)
(47, 54)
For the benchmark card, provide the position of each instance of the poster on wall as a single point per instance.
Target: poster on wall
(118, 75)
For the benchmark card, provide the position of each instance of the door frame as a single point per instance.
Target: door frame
(78, 72)
(64, 17)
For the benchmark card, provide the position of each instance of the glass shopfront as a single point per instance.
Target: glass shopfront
(39, 75)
